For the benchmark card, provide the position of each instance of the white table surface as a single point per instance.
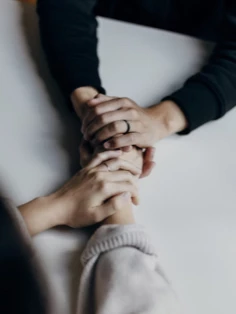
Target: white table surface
(188, 203)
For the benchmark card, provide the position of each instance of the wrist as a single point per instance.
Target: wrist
(170, 116)
(40, 214)
(80, 97)
(125, 216)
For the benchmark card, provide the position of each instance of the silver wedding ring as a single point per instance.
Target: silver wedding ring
(128, 126)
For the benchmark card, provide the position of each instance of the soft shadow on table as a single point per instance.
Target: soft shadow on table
(71, 125)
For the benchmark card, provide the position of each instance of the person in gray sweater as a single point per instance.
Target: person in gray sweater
(121, 270)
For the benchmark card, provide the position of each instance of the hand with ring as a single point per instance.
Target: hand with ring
(87, 147)
(109, 117)
(142, 160)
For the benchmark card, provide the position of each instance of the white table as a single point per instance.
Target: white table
(188, 203)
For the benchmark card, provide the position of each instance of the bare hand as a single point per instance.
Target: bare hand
(98, 190)
(87, 149)
(106, 119)
(143, 160)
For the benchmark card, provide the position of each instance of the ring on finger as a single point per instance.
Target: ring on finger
(128, 126)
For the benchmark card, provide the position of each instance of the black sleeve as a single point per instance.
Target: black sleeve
(68, 34)
(209, 94)
(21, 279)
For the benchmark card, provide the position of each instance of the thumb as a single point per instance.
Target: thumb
(148, 163)
(148, 166)
(99, 99)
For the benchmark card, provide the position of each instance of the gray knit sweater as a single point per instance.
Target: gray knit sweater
(121, 273)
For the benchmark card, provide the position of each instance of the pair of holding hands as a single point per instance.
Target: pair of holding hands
(107, 185)
(103, 191)
(104, 124)
(112, 160)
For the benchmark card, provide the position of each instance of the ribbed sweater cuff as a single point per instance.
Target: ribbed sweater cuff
(111, 237)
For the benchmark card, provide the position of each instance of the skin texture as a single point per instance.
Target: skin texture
(105, 121)
(135, 158)
(91, 196)
(88, 148)
(104, 192)
(102, 119)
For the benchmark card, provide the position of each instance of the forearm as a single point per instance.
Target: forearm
(40, 214)
(168, 115)
(68, 35)
(209, 94)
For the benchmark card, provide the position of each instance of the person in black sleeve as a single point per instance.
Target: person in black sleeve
(69, 38)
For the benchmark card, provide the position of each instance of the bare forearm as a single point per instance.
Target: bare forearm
(169, 117)
(39, 214)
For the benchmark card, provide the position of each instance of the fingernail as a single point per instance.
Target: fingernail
(107, 145)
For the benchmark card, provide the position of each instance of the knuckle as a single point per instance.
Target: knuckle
(132, 137)
(104, 186)
(130, 176)
(102, 119)
(96, 111)
(133, 113)
(113, 164)
(98, 176)
(115, 126)
(100, 156)
(117, 161)
(132, 179)
(126, 101)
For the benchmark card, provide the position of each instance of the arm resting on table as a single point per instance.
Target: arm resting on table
(209, 94)
(122, 274)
